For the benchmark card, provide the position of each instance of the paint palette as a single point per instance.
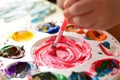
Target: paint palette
(85, 67)
(81, 55)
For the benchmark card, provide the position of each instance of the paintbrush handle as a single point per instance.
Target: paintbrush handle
(58, 37)
(62, 28)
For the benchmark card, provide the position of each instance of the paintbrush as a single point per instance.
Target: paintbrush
(62, 28)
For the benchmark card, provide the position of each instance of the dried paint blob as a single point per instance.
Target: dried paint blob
(49, 27)
(82, 76)
(105, 66)
(12, 51)
(48, 76)
(22, 35)
(96, 35)
(72, 28)
(19, 69)
(69, 53)
(109, 49)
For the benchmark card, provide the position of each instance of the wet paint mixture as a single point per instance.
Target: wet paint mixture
(106, 66)
(69, 53)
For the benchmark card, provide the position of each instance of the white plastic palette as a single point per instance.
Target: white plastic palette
(40, 37)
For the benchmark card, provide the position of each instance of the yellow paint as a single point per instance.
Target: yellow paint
(23, 35)
(44, 29)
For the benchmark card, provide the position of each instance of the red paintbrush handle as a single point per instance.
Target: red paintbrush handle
(64, 25)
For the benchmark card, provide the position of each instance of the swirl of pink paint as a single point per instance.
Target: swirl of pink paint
(69, 53)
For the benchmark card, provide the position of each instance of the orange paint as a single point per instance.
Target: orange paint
(72, 28)
(80, 31)
(96, 35)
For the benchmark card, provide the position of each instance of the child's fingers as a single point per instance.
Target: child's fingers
(68, 3)
(79, 8)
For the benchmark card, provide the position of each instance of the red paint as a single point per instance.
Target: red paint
(69, 53)
(107, 52)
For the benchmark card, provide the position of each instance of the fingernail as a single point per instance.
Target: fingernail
(66, 5)
(67, 14)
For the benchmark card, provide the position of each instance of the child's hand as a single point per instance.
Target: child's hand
(93, 14)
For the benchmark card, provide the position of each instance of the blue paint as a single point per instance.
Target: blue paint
(81, 76)
(50, 28)
(106, 44)
(53, 30)
(106, 67)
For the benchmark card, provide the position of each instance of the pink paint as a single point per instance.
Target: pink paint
(69, 53)
(104, 50)
(115, 71)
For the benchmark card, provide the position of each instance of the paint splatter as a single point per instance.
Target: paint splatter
(11, 51)
(22, 35)
(69, 53)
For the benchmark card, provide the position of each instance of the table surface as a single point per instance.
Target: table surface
(25, 21)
